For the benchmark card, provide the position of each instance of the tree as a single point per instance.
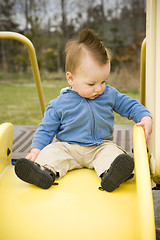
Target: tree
(7, 23)
(7, 13)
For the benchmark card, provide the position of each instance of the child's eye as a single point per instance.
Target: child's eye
(104, 82)
(91, 84)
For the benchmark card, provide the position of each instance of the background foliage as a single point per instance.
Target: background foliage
(49, 24)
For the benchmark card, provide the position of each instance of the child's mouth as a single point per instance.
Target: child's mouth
(95, 96)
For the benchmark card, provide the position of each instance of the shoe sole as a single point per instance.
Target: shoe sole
(120, 170)
(27, 171)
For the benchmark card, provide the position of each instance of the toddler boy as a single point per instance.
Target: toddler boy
(82, 120)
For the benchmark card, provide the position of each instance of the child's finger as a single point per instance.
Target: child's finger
(146, 131)
(31, 157)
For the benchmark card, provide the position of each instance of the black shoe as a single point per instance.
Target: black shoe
(120, 170)
(33, 173)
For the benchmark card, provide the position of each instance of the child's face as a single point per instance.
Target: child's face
(89, 80)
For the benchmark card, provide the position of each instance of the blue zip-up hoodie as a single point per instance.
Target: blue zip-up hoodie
(84, 121)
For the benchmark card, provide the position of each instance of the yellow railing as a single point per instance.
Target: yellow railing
(33, 59)
(6, 141)
(143, 183)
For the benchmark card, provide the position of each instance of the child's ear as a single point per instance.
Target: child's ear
(69, 78)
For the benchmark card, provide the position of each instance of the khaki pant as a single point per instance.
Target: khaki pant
(62, 157)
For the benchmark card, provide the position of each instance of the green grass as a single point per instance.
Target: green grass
(19, 100)
(121, 120)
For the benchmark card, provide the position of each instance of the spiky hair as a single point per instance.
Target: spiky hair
(87, 41)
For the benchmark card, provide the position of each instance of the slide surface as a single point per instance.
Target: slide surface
(74, 209)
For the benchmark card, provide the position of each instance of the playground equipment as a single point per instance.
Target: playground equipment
(76, 208)
(152, 81)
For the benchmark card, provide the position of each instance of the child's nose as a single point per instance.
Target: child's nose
(97, 88)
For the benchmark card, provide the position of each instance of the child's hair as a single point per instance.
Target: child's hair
(89, 41)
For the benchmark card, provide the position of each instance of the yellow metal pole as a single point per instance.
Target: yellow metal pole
(143, 73)
(33, 59)
(153, 81)
(157, 95)
(144, 190)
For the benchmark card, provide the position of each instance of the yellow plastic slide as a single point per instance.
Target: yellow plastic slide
(75, 209)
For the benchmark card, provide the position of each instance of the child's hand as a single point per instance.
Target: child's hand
(146, 123)
(33, 154)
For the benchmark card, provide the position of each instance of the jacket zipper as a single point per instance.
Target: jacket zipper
(93, 120)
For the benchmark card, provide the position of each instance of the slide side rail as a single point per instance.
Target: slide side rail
(143, 183)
